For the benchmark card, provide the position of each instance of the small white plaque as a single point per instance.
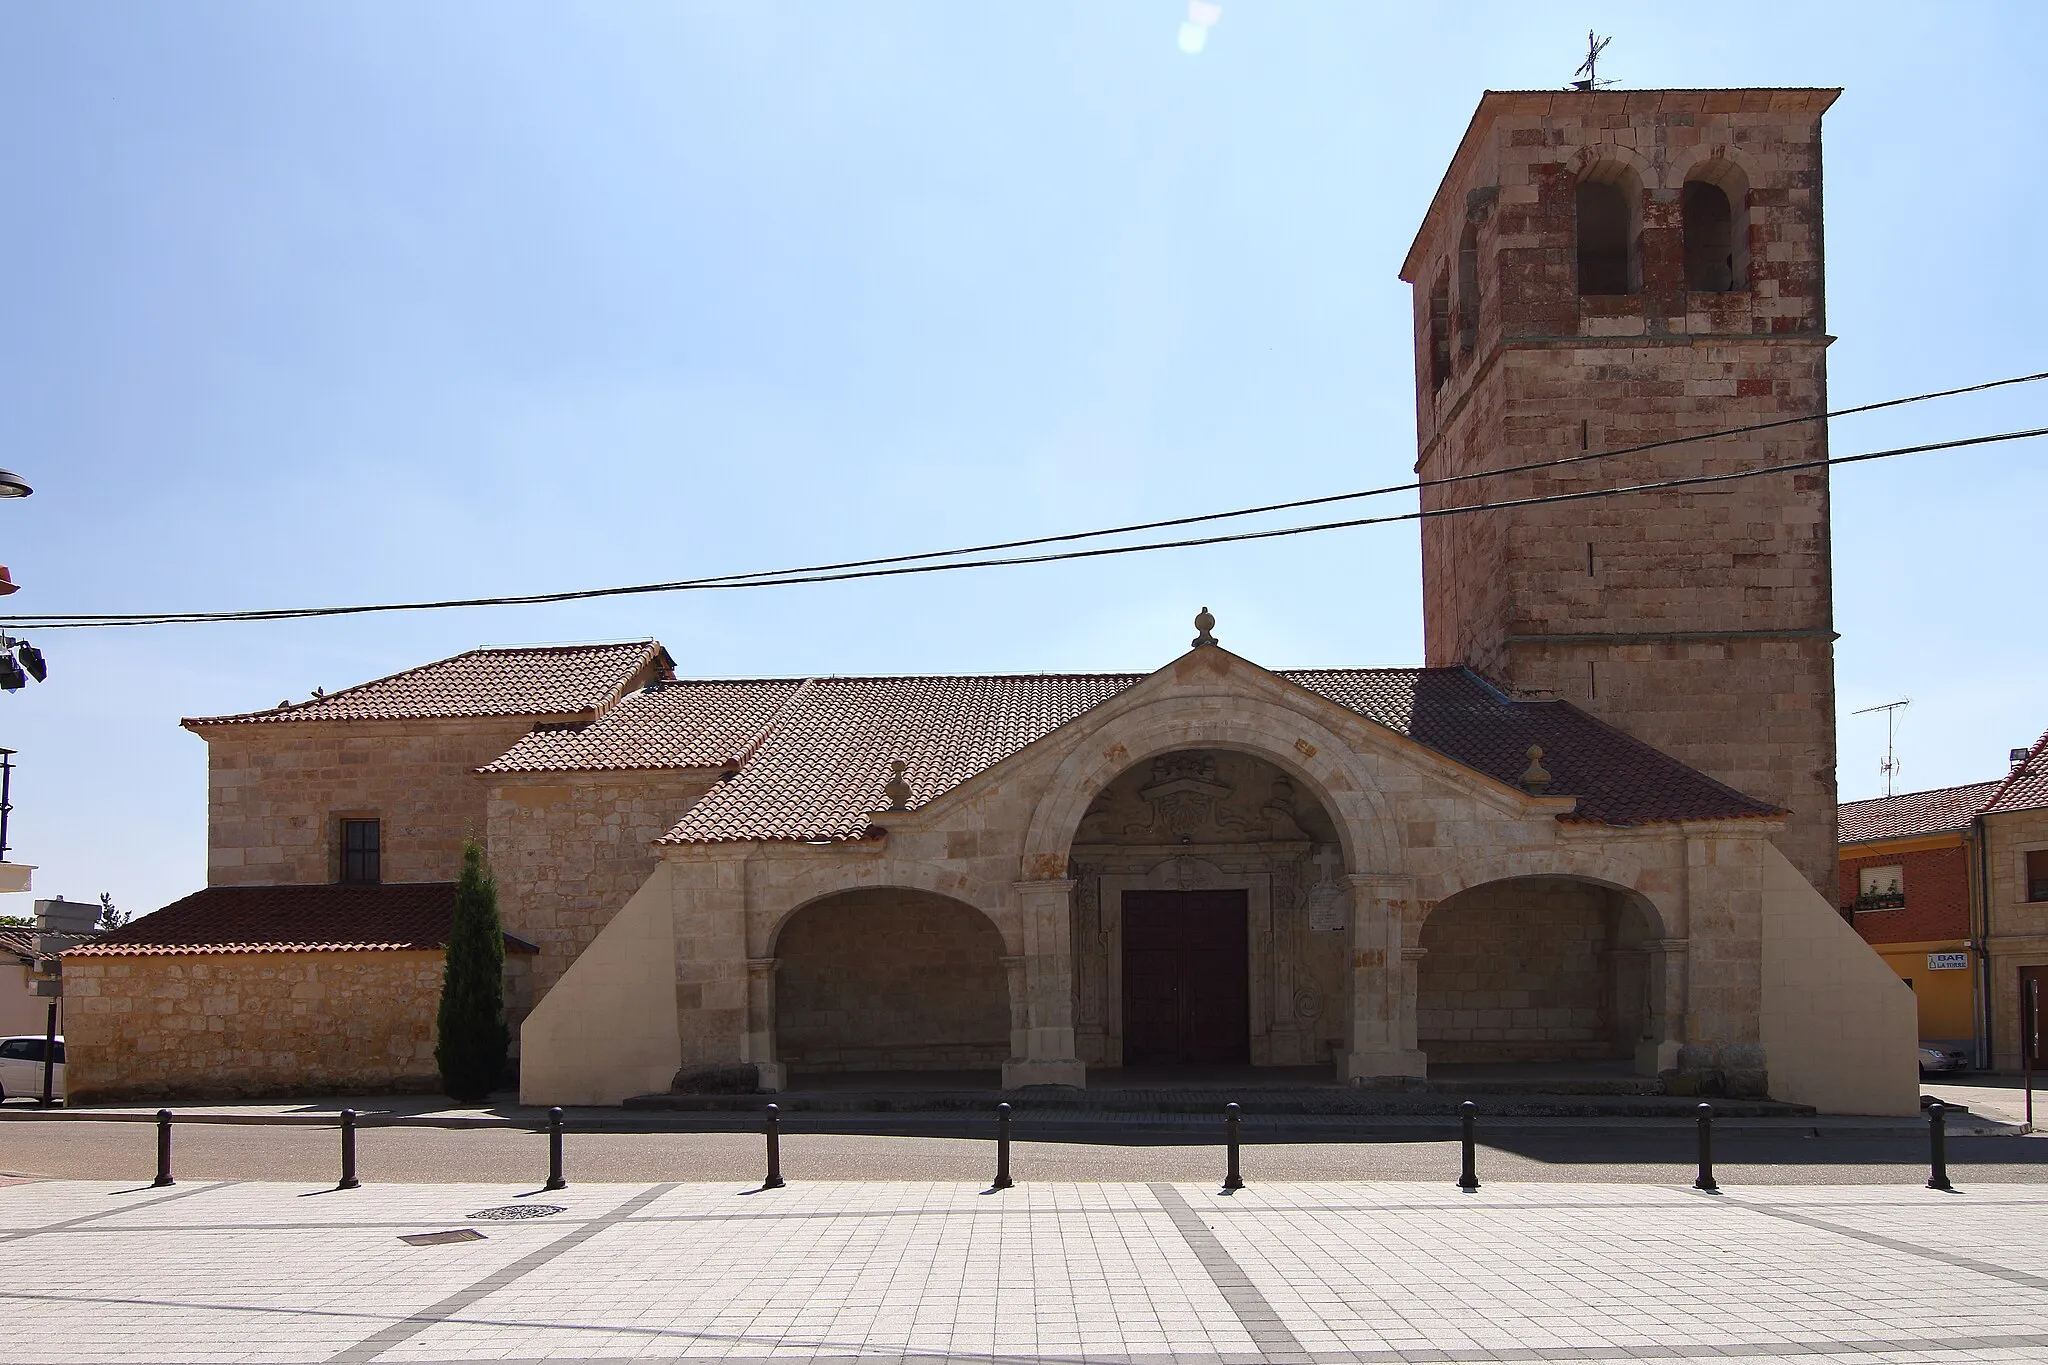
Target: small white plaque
(1947, 962)
(1325, 909)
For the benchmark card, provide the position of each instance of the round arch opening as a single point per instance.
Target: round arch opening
(1209, 910)
(890, 979)
(1551, 970)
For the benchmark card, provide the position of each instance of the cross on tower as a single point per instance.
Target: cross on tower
(1590, 67)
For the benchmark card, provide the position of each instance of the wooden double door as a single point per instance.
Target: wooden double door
(1186, 979)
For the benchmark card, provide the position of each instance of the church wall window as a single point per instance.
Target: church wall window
(362, 852)
(1608, 233)
(1709, 237)
(1440, 331)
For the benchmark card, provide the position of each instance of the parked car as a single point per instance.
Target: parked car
(21, 1068)
(1933, 1060)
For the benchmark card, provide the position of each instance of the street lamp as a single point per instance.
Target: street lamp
(13, 485)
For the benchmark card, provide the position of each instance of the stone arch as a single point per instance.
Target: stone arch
(1593, 865)
(890, 978)
(803, 889)
(1607, 222)
(1292, 740)
(1714, 219)
(1540, 968)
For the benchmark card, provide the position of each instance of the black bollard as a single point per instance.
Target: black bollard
(1232, 1179)
(1937, 1141)
(1705, 1179)
(163, 1150)
(1468, 1178)
(1003, 1181)
(555, 1181)
(348, 1151)
(774, 1180)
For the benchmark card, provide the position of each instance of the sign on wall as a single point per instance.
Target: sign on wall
(1947, 962)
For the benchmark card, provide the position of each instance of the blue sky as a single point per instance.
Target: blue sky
(324, 303)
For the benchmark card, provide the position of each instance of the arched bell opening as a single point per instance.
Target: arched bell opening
(1538, 972)
(890, 979)
(1210, 911)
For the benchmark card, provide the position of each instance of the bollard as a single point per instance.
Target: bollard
(163, 1150)
(555, 1181)
(774, 1180)
(348, 1151)
(1705, 1179)
(1232, 1180)
(1003, 1181)
(1468, 1179)
(1937, 1141)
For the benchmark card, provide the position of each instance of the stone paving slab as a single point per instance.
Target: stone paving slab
(1382, 1273)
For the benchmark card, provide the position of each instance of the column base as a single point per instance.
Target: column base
(773, 1077)
(1019, 1072)
(1654, 1059)
(1358, 1068)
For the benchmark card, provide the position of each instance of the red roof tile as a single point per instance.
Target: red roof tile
(21, 942)
(819, 770)
(560, 680)
(292, 919)
(664, 725)
(1943, 810)
(2026, 787)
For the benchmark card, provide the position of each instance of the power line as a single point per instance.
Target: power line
(791, 578)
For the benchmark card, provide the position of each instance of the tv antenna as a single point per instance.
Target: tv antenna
(1589, 69)
(1890, 766)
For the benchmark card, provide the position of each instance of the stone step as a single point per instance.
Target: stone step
(1332, 1101)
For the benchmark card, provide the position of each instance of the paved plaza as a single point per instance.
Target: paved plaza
(1155, 1272)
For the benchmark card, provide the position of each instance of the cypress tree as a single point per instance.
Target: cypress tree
(473, 1037)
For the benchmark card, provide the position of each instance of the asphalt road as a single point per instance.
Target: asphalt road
(121, 1151)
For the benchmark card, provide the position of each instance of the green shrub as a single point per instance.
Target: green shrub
(473, 1037)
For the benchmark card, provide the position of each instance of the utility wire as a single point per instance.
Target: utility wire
(730, 583)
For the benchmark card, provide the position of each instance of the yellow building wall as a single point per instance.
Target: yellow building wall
(1945, 998)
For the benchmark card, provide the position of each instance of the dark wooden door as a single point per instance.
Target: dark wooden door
(1187, 979)
(2034, 1016)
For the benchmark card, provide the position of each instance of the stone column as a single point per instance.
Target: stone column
(1382, 982)
(1046, 1055)
(758, 1045)
(1664, 1005)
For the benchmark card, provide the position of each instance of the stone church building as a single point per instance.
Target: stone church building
(1590, 829)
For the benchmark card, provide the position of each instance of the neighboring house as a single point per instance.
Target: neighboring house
(1908, 879)
(2013, 872)
(1951, 887)
(21, 1009)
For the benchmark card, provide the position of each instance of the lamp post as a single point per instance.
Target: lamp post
(13, 485)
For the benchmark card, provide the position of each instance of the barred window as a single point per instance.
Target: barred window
(361, 853)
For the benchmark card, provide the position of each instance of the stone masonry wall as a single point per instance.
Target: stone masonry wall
(2018, 926)
(276, 794)
(210, 1025)
(891, 980)
(1527, 971)
(569, 849)
(1700, 621)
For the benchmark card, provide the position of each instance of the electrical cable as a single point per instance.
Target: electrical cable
(791, 578)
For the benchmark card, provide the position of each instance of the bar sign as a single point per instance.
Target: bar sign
(1948, 962)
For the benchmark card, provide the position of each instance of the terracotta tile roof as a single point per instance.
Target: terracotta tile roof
(820, 768)
(664, 725)
(559, 680)
(18, 941)
(2026, 787)
(292, 919)
(1943, 810)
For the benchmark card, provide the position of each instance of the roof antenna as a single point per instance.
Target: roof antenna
(1589, 68)
(1890, 766)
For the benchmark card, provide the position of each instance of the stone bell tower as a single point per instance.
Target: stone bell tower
(1607, 269)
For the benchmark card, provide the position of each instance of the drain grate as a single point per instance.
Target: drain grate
(512, 1213)
(435, 1239)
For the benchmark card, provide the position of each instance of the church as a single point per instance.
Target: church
(1597, 825)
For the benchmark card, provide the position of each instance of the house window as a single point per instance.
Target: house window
(1881, 888)
(2037, 875)
(361, 853)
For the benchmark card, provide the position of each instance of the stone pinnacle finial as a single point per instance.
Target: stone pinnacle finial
(1204, 623)
(897, 789)
(1537, 779)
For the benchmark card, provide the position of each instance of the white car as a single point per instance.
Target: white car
(21, 1068)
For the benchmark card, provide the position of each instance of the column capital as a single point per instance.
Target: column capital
(1374, 881)
(1050, 884)
(1668, 945)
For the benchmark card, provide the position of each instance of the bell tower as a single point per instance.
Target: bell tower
(1607, 269)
